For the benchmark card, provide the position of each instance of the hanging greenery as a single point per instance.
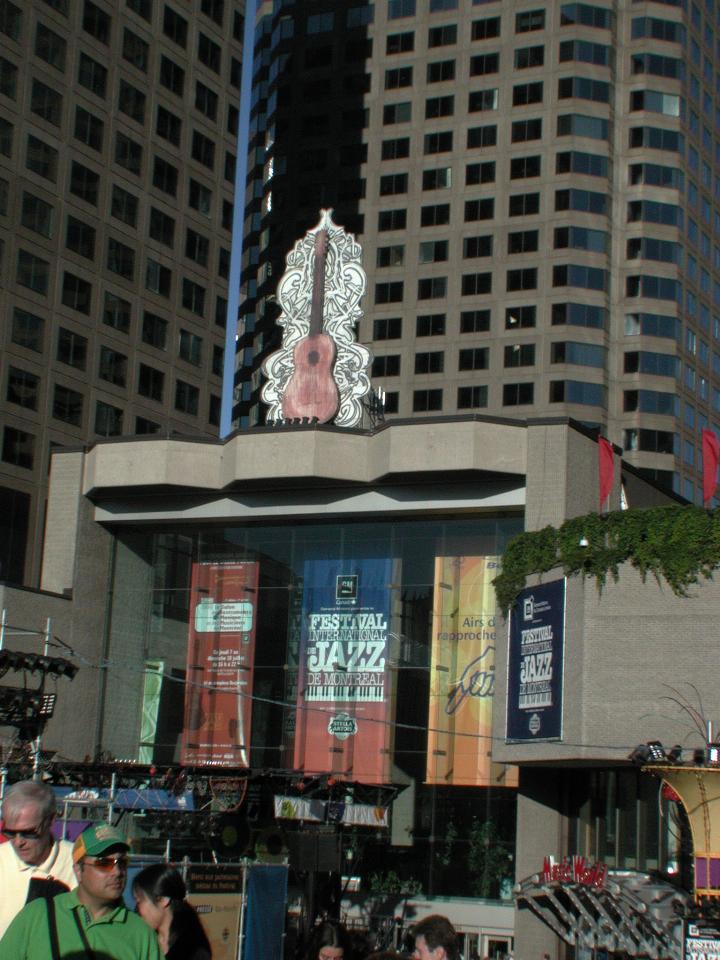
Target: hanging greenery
(675, 544)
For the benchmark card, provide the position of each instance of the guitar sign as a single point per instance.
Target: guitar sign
(320, 372)
(312, 391)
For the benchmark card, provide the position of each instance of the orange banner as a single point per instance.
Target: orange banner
(221, 654)
(462, 678)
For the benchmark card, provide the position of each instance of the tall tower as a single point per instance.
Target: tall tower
(535, 190)
(118, 138)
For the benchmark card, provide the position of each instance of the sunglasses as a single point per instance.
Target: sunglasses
(108, 864)
(23, 834)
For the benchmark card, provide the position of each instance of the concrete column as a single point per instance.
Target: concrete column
(541, 831)
(58, 562)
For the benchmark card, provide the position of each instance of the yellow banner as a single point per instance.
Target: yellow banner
(462, 677)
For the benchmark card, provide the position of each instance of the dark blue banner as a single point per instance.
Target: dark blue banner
(266, 910)
(535, 664)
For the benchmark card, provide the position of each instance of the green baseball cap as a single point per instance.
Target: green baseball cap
(95, 840)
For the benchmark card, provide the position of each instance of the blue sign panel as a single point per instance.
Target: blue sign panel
(535, 664)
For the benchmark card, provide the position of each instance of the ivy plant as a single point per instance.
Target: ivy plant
(675, 544)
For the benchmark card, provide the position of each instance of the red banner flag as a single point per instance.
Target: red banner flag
(711, 458)
(221, 655)
(606, 463)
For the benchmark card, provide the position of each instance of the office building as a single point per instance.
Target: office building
(535, 188)
(118, 139)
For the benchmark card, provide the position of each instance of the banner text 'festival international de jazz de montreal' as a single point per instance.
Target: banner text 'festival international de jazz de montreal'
(462, 678)
(346, 694)
(221, 654)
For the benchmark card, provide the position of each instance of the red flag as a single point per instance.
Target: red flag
(606, 463)
(711, 458)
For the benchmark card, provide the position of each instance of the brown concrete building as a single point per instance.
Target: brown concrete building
(118, 139)
(534, 187)
(129, 521)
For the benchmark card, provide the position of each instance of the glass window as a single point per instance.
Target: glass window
(200, 197)
(117, 312)
(112, 366)
(88, 129)
(46, 103)
(124, 206)
(161, 227)
(96, 22)
(22, 388)
(92, 75)
(209, 52)
(50, 47)
(158, 278)
(135, 50)
(76, 293)
(172, 76)
(108, 420)
(28, 330)
(175, 27)
(41, 158)
(187, 397)
(84, 183)
(37, 215)
(120, 258)
(72, 348)
(165, 176)
(8, 79)
(18, 448)
(193, 297)
(168, 126)
(128, 153)
(32, 272)
(131, 102)
(80, 237)
(203, 149)
(151, 382)
(154, 330)
(67, 405)
(10, 19)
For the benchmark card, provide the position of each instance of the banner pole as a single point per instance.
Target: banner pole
(243, 901)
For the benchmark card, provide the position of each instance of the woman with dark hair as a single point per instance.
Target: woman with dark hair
(159, 893)
(329, 941)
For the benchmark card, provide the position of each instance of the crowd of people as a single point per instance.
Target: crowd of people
(64, 901)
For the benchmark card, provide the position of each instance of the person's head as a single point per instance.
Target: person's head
(329, 941)
(100, 856)
(159, 892)
(435, 939)
(28, 812)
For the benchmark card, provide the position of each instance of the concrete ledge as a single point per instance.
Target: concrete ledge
(308, 454)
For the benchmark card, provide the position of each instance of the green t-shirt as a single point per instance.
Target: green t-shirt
(118, 935)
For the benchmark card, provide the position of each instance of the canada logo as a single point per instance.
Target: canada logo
(342, 726)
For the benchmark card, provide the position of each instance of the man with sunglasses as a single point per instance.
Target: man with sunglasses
(32, 863)
(91, 921)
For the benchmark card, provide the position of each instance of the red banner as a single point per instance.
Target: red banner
(711, 458)
(221, 653)
(346, 689)
(606, 469)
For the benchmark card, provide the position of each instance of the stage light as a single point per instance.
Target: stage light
(675, 754)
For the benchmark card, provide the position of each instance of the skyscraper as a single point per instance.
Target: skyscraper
(118, 139)
(536, 191)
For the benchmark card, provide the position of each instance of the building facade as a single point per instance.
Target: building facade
(535, 189)
(136, 525)
(118, 139)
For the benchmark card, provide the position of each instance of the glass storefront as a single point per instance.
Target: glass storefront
(448, 829)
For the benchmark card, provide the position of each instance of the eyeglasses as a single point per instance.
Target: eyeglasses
(108, 864)
(23, 834)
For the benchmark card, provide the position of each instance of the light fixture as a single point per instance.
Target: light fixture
(583, 542)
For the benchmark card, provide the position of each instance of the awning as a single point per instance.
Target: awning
(633, 912)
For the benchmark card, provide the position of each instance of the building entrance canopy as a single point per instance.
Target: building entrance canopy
(630, 912)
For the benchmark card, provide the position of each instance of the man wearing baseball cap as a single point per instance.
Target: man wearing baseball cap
(90, 921)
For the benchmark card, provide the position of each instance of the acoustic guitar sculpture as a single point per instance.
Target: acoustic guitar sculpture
(321, 371)
(312, 391)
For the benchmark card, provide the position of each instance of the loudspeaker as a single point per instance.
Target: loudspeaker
(314, 851)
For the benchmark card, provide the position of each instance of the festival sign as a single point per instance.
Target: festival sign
(535, 664)
(462, 677)
(215, 891)
(346, 689)
(701, 939)
(221, 650)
